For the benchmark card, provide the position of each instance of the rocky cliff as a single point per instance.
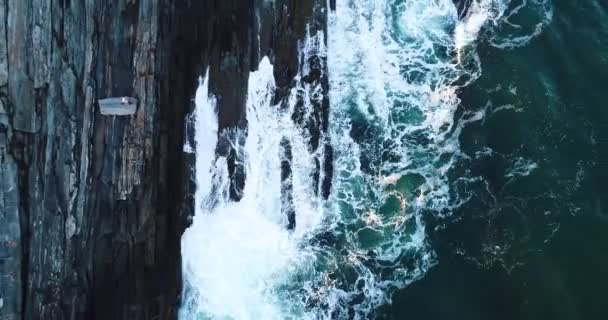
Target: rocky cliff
(90, 213)
(92, 206)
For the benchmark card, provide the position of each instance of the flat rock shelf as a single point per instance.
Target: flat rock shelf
(123, 106)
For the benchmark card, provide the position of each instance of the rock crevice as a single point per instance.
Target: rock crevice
(92, 206)
(90, 203)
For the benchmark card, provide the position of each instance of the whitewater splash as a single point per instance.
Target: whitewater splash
(233, 249)
(395, 68)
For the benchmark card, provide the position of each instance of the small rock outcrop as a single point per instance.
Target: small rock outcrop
(238, 34)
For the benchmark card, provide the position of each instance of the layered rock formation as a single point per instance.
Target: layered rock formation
(92, 206)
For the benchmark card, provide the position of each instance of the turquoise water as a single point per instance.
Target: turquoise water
(529, 246)
(470, 165)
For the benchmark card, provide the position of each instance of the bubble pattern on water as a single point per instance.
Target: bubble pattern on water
(517, 22)
(395, 69)
(394, 76)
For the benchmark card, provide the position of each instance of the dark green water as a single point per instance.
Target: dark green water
(505, 219)
(529, 245)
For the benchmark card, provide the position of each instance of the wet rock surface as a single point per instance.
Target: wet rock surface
(462, 7)
(237, 35)
(92, 206)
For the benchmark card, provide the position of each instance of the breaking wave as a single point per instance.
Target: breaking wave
(395, 69)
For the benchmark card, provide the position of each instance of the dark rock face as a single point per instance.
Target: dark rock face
(300, 20)
(238, 34)
(89, 221)
(92, 207)
(462, 7)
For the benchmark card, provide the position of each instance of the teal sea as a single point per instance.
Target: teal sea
(532, 242)
(469, 171)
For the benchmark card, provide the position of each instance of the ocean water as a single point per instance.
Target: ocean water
(470, 154)
(532, 241)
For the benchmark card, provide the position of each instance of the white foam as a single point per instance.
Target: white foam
(236, 252)
(392, 69)
(521, 167)
(205, 137)
(507, 35)
(467, 30)
(400, 60)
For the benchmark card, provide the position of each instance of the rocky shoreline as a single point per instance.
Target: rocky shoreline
(93, 206)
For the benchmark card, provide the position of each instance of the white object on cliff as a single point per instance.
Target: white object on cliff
(124, 106)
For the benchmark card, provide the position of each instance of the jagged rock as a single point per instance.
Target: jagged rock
(93, 207)
(238, 34)
(287, 206)
(462, 7)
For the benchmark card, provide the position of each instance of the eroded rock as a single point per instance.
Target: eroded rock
(93, 207)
